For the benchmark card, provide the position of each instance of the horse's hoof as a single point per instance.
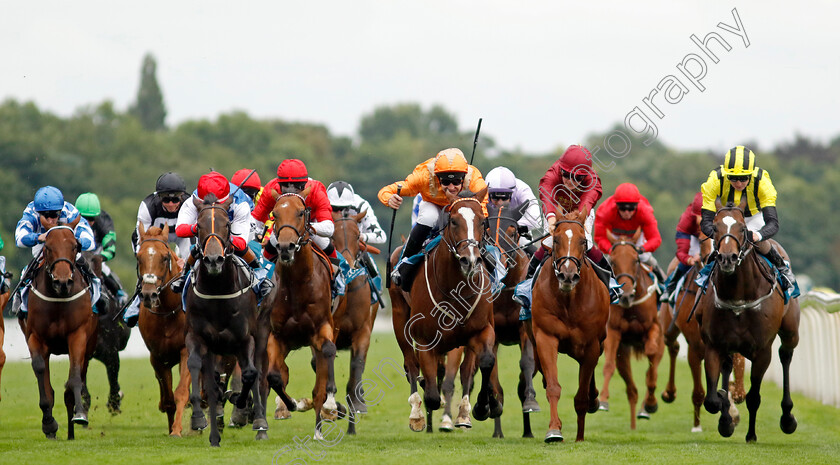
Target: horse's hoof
(50, 436)
(553, 435)
(260, 425)
(463, 422)
(530, 405)
(642, 415)
(788, 424)
(725, 428)
(80, 419)
(751, 438)
(175, 435)
(417, 424)
(446, 425)
(651, 409)
(282, 412)
(328, 414)
(239, 417)
(50, 428)
(261, 435)
(303, 405)
(697, 429)
(668, 397)
(198, 423)
(605, 406)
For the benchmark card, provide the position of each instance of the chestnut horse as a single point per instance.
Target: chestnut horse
(4, 298)
(60, 321)
(300, 312)
(448, 307)
(222, 319)
(696, 349)
(633, 326)
(355, 315)
(162, 322)
(569, 315)
(742, 311)
(503, 233)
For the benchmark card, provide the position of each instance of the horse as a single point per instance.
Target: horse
(60, 321)
(4, 298)
(455, 299)
(222, 319)
(112, 339)
(355, 314)
(569, 315)
(162, 321)
(633, 326)
(743, 311)
(300, 311)
(503, 233)
(678, 322)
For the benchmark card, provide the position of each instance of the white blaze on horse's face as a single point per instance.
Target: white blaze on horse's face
(729, 222)
(469, 216)
(151, 252)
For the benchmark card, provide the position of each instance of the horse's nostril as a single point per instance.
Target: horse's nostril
(464, 261)
(220, 260)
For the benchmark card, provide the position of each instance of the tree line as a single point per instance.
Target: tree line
(100, 149)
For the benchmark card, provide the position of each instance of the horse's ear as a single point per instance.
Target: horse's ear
(481, 195)
(559, 211)
(227, 203)
(197, 202)
(360, 216)
(637, 234)
(275, 195)
(611, 237)
(584, 212)
(305, 193)
(718, 204)
(165, 231)
(743, 205)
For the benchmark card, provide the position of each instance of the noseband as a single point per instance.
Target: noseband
(346, 241)
(632, 277)
(560, 261)
(744, 245)
(468, 242)
(302, 237)
(55, 262)
(224, 242)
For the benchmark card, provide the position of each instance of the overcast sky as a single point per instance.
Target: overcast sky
(540, 73)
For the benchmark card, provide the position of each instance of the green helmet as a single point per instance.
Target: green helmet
(88, 204)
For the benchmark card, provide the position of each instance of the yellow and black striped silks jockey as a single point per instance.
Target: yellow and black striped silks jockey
(739, 161)
(759, 191)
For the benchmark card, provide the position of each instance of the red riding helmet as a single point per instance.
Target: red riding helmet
(292, 170)
(253, 182)
(576, 160)
(213, 183)
(627, 193)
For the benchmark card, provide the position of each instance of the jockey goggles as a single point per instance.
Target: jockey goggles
(170, 199)
(500, 195)
(450, 181)
(297, 185)
(50, 213)
(576, 177)
(626, 206)
(744, 178)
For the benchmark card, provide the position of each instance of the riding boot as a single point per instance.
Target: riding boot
(605, 274)
(787, 277)
(671, 283)
(14, 307)
(83, 266)
(654, 267)
(412, 247)
(534, 263)
(177, 285)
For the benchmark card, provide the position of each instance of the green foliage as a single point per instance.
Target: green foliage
(149, 108)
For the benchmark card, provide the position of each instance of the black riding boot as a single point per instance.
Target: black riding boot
(605, 274)
(671, 285)
(412, 246)
(788, 279)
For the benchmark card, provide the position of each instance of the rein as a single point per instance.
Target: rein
(560, 261)
(651, 290)
(226, 245)
(303, 237)
(151, 278)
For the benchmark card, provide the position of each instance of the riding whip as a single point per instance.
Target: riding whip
(390, 236)
(475, 142)
(24, 276)
(239, 187)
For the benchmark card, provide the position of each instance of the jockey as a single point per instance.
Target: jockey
(5, 278)
(105, 239)
(160, 208)
(688, 244)
(251, 185)
(342, 197)
(292, 177)
(572, 184)
(48, 209)
(446, 172)
(240, 229)
(738, 176)
(624, 212)
(505, 189)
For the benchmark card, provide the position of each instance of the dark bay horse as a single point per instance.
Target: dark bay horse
(569, 315)
(162, 322)
(743, 311)
(300, 312)
(222, 319)
(112, 339)
(449, 306)
(355, 314)
(60, 321)
(504, 234)
(696, 348)
(633, 326)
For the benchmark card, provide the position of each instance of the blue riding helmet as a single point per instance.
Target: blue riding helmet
(48, 198)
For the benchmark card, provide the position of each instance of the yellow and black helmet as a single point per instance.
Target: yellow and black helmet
(739, 161)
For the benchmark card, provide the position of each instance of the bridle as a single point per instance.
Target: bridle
(744, 244)
(633, 277)
(302, 236)
(224, 242)
(51, 266)
(151, 278)
(346, 248)
(468, 242)
(560, 261)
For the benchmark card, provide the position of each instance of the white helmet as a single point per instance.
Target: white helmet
(341, 194)
(500, 179)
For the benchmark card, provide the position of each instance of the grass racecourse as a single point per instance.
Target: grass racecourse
(139, 434)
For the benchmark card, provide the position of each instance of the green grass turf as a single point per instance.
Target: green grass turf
(139, 436)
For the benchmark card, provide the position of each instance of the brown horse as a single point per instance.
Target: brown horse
(301, 309)
(4, 298)
(569, 315)
(633, 326)
(162, 322)
(696, 349)
(502, 233)
(447, 308)
(222, 320)
(60, 321)
(355, 314)
(743, 311)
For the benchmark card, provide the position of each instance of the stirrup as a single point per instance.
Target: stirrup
(177, 285)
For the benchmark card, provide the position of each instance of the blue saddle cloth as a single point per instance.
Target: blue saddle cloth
(791, 293)
(524, 290)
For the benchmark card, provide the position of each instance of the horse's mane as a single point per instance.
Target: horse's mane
(210, 199)
(466, 193)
